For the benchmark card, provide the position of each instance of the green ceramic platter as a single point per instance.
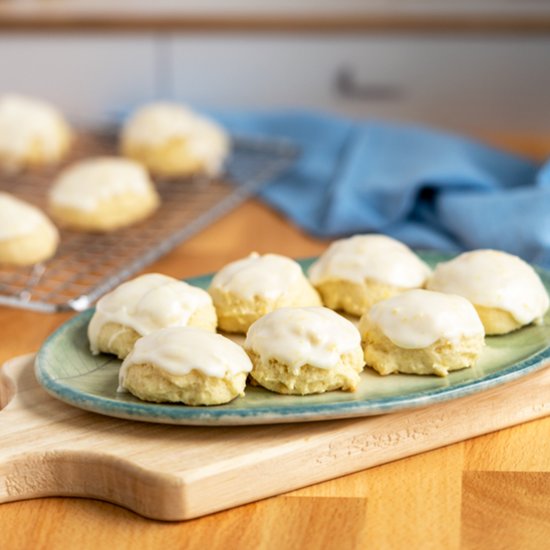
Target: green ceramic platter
(68, 371)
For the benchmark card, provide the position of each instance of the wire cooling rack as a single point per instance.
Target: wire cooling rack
(88, 265)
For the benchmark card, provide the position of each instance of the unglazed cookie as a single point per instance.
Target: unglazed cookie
(245, 290)
(187, 365)
(301, 351)
(421, 332)
(32, 133)
(102, 194)
(143, 305)
(506, 291)
(173, 141)
(27, 236)
(355, 273)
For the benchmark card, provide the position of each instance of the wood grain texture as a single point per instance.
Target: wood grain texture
(506, 510)
(414, 502)
(117, 21)
(174, 473)
(288, 523)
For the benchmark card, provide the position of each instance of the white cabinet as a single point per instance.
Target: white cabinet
(91, 77)
(460, 82)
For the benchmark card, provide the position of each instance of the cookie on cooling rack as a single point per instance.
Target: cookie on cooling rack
(32, 133)
(102, 194)
(421, 332)
(172, 141)
(245, 290)
(143, 305)
(27, 236)
(303, 351)
(185, 365)
(505, 290)
(355, 273)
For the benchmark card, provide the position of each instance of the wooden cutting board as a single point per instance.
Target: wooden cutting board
(166, 472)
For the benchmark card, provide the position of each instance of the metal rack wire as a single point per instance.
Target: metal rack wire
(88, 265)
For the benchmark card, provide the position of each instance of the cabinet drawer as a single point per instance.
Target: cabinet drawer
(459, 82)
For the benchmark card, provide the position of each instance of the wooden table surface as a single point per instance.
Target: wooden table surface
(490, 492)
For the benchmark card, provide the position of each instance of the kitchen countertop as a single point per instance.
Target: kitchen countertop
(467, 495)
(481, 16)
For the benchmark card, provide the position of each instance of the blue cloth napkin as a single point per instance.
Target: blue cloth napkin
(427, 188)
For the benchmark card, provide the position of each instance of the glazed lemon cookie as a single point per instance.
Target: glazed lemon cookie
(247, 289)
(102, 194)
(27, 236)
(187, 365)
(506, 291)
(173, 141)
(301, 351)
(32, 133)
(421, 332)
(143, 305)
(355, 273)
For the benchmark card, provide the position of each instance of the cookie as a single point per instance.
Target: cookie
(421, 332)
(185, 365)
(302, 351)
(174, 142)
(27, 236)
(355, 273)
(506, 291)
(102, 194)
(143, 305)
(245, 290)
(32, 133)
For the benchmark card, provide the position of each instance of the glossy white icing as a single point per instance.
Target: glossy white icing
(374, 257)
(268, 276)
(494, 279)
(158, 123)
(179, 350)
(146, 304)
(418, 318)
(18, 218)
(316, 336)
(86, 184)
(24, 120)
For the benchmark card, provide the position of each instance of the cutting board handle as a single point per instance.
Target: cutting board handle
(52, 449)
(7, 389)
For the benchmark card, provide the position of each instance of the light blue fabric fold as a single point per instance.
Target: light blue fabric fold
(427, 188)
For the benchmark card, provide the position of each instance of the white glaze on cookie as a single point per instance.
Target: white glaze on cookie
(315, 336)
(24, 120)
(146, 304)
(418, 318)
(86, 184)
(179, 350)
(18, 218)
(268, 276)
(374, 257)
(494, 279)
(157, 124)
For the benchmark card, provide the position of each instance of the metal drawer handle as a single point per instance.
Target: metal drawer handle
(347, 85)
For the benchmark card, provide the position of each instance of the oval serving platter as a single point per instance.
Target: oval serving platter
(68, 371)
